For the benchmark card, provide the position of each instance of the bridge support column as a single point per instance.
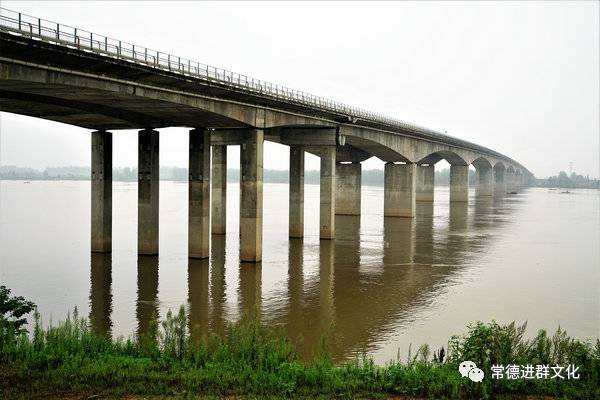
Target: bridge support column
(199, 194)
(219, 190)
(485, 181)
(399, 190)
(148, 181)
(509, 178)
(459, 183)
(327, 193)
(519, 181)
(348, 188)
(296, 186)
(425, 182)
(251, 195)
(499, 182)
(101, 234)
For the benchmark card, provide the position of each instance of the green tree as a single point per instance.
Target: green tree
(13, 311)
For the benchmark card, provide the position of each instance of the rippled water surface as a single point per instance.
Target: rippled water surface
(383, 284)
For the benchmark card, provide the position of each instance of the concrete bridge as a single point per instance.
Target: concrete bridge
(73, 76)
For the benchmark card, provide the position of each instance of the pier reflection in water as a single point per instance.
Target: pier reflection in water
(147, 295)
(382, 285)
(330, 290)
(101, 294)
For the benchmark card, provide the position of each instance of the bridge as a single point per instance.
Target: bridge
(65, 74)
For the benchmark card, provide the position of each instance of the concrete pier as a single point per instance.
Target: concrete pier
(399, 190)
(348, 188)
(484, 182)
(509, 179)
(251, 195)
(518, 181)
(101, 235)
(425, 182)
(148, 181)
(459, 183)
(327, 193)
(296, 187)
(499, 181)
(219, 190)
(199, 194)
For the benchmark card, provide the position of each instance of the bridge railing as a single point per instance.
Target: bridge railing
(39, 29)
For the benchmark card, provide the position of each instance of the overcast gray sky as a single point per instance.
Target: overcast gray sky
(521, 78)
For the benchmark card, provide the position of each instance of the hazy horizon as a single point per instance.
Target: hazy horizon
(441, 166)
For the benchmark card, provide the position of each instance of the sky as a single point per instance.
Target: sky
(522, 78)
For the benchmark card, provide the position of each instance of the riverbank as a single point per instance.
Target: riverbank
(252, 360)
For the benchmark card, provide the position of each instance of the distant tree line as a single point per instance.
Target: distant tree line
(562, 180)
(370, 177)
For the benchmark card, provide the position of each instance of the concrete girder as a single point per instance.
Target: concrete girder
(392, 147)
(349, 153)
(156, 104)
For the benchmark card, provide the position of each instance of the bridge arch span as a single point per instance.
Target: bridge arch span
(481, 163)
(452, 157)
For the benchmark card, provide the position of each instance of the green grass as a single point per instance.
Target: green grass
(251, 360)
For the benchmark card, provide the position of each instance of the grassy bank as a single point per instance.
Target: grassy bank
(253, 360)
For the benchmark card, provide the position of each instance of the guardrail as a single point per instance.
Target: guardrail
(40, 29)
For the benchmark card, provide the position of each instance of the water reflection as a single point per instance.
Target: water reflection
(328, 291)
(218, 283)
(101, 294)
(295, 289)
(398, 241)
(424, 242)
(198, 297)
(381, 285)
(457, 242)
(323, 320)
(249, 290)
(147, 295)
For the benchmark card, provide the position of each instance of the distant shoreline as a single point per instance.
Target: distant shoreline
(370, 177)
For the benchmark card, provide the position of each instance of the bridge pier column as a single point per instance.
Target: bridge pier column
(199, 194)
(148, 181)
(101, 235)
(399, 190)
(459, 183)
(485, 181)
(499, 182)
(296, 187)
(509, 178)
(519, 181)
(348, 188)
(219, 190)
(425, 182)
(327, 193)
(251, 195)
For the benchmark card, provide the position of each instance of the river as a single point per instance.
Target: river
(383, 285)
